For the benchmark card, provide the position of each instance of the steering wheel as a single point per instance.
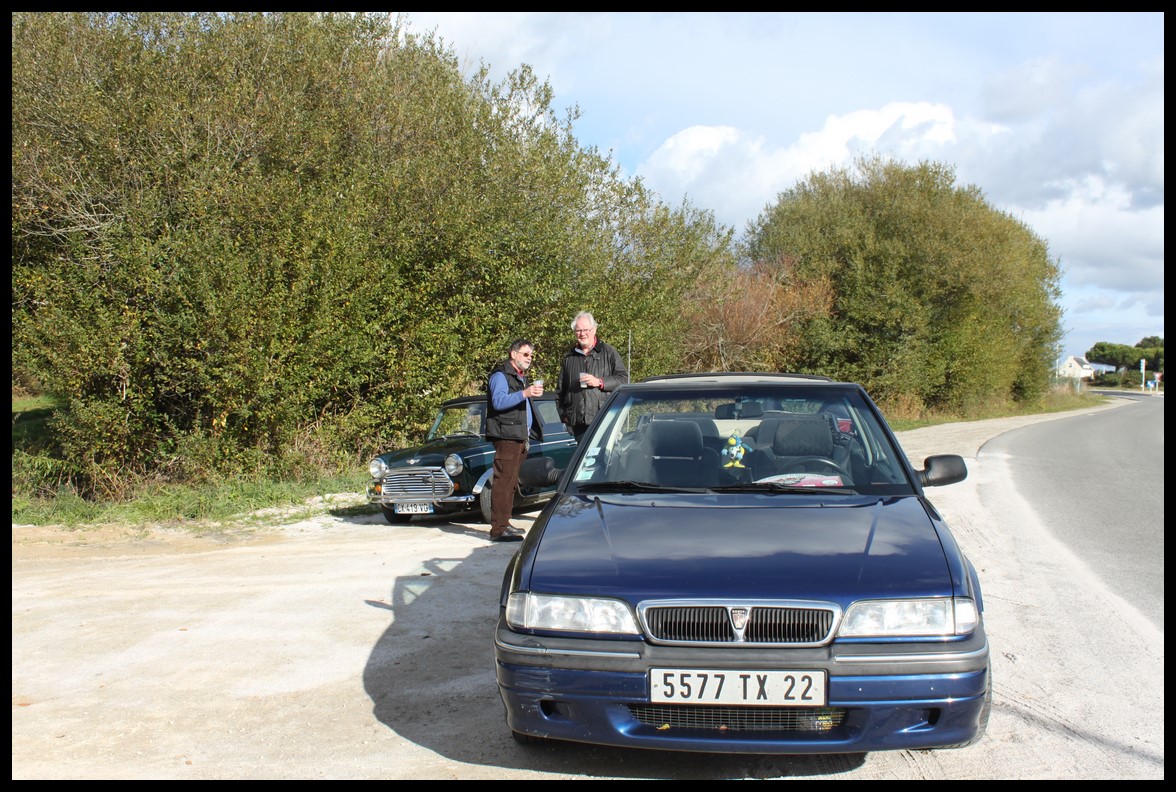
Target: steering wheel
(793, 464)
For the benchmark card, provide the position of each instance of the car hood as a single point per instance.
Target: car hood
(433, 452)
(782, 546)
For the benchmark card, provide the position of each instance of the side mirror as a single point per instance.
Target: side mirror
(943, 469)
(539, 472)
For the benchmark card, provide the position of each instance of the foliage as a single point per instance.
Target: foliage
(252, 247)
(938, 301)
(1122, 356)
(246, 243)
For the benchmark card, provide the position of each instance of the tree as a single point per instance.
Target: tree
(251, 244)
(938, 301)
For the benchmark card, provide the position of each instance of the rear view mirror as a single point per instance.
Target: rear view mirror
(942, 469)
(539, 472)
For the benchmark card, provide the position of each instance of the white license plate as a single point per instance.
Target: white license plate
(746, 688)
(414, 508)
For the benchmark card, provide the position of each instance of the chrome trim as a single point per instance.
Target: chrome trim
(389, 500)
(544, 651)
(945, 657)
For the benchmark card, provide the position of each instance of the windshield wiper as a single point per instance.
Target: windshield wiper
(775, 486)
(634, 486)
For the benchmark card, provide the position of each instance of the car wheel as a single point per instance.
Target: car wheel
(393, 518)
(484, 503)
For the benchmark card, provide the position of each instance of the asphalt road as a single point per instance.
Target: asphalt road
(339, 647)
(1099, 483)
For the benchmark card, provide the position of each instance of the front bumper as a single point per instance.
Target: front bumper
(880, 696)
(420, 485)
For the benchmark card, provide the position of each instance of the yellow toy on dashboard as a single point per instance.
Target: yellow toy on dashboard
(736, 448)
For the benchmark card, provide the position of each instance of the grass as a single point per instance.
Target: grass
(202, 509)
(1061, 400)
(198, 509)
(244, 504)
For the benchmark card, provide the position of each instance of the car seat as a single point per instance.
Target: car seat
(797, 437)
(678, 457)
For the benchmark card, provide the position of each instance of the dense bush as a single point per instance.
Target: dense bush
(247, 242)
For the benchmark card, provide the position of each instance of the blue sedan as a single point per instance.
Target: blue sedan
(743, 563)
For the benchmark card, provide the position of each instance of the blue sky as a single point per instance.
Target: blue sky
(1058, 118)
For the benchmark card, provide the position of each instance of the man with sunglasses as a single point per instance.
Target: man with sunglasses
(510, 423)
(591, 369)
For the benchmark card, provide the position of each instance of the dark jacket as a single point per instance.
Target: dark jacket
(578, 406)
(511, 423)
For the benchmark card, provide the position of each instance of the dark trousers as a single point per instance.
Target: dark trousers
(578, 432)
(508, 458)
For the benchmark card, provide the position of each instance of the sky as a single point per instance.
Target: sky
(1057, 118)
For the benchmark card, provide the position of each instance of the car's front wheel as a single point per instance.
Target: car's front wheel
(392, 517)
(484, 501)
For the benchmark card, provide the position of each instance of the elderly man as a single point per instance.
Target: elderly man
(590, 370)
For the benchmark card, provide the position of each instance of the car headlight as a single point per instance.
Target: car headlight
(570, 614)
(377, 467)
(931, 617)
(454, 464)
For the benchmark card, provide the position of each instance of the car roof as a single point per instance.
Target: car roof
(737, 378)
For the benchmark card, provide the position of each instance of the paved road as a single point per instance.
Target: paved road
(1099, 483)
(340, 647)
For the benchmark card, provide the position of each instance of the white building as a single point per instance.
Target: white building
(1076, 368)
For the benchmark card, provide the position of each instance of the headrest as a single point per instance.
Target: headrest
(803, 435)
(675, 439)
(705, 425)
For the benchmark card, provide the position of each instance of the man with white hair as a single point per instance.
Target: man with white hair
(591, 369)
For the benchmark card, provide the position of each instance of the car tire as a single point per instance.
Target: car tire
(484, 503)
(393, 518)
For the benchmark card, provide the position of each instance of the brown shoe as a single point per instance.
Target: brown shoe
(509, 535)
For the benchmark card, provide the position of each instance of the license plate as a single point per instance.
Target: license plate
(745, 688)
(414, 508)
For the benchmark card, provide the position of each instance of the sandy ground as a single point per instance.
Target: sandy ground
(341, 647)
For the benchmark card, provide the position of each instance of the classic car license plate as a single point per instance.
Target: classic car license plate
(748, 688)
(414, 508)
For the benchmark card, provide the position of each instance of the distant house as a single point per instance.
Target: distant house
(1076, 368)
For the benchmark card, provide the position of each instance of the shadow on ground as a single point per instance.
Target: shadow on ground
(431, 681)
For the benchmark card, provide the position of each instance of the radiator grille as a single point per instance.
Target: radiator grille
(425, 483)
(716, 624)
(739, 719)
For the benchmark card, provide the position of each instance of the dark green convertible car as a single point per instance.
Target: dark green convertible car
(451, 471)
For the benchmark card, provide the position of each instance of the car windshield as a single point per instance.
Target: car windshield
(742, 437)
(459, 419)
